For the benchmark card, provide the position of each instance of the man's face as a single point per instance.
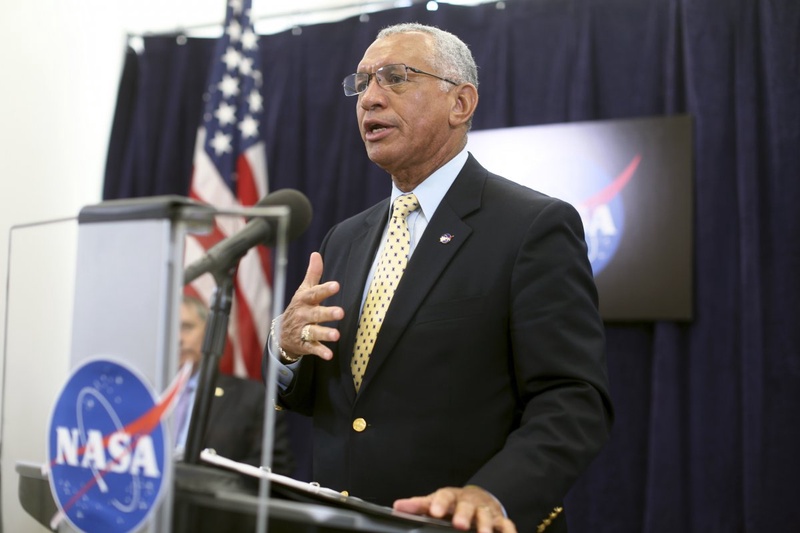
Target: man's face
(192, 332)
(405, 128)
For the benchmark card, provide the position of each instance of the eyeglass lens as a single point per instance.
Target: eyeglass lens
(387, 76)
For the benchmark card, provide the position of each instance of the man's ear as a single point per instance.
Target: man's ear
(466, 100)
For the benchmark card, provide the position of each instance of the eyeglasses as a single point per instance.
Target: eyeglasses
(387, 76)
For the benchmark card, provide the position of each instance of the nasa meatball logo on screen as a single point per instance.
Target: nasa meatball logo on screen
(602, 211)
(106, 448)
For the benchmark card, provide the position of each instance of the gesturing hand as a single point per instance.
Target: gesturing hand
(468, 506)
(301, 333)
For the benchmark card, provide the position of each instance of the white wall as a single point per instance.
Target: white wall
(61, 63)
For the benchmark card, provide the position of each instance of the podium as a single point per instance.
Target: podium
(218, 497)
(128, 280)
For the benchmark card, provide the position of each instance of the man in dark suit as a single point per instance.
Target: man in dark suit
(485, 391)
(236, 417)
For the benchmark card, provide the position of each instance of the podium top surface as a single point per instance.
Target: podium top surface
(173, 207)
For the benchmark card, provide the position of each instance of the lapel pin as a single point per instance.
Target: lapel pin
(446, 238)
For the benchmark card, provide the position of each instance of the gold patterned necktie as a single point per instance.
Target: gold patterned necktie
(390, 269)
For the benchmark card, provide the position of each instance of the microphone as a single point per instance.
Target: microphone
(227, 252)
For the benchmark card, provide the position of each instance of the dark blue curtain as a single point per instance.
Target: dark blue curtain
(708, 412)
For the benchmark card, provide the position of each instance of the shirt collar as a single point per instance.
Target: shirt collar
(430, 192)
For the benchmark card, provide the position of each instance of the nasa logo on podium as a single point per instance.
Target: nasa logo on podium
(107, 448)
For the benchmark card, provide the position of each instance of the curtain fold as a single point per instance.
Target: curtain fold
(707, 428)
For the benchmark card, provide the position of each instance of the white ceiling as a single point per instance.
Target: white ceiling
(203, 17)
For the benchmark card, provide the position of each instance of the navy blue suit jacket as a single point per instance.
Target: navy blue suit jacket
(489, 368)
(236, 423)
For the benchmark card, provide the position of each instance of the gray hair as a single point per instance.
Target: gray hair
(199, 307)
(451, 56)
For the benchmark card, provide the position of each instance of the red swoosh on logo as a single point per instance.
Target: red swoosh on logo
(611, 190)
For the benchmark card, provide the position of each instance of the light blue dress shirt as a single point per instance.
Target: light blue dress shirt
(187, 395)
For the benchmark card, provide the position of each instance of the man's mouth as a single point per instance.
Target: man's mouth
(374, 131)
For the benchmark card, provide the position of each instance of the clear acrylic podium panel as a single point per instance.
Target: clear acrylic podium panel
(39, 333)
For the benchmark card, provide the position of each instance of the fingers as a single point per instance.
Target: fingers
(487, 519)
(482, 516)
(419, 505)
(314, 270)
(311, 334)
(310, 291)
(470, 506)
(443, 502)
(301, 333)
(508, 526)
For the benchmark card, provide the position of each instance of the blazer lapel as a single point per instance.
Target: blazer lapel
(429, 261)
(360, 257)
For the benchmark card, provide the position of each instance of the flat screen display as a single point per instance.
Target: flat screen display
(632, 183)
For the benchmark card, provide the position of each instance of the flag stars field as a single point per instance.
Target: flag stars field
(225, 113)
(221, 143)
(232, 58)
(255, 101)
(248, 127)
(229, 86)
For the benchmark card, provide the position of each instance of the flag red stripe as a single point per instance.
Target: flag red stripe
(246, 188)
(209, 239)
(248, 335)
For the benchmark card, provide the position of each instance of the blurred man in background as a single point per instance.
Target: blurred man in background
(235, 420)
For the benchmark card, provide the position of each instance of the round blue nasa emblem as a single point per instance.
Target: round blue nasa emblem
(603, 212)
(596, 196)
(106, 448)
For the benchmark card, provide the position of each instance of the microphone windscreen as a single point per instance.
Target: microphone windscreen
(300, 210)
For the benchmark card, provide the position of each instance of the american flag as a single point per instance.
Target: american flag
(230, 170)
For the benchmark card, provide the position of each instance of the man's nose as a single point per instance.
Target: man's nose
(373, 95)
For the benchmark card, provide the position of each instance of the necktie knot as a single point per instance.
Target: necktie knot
(404, 205)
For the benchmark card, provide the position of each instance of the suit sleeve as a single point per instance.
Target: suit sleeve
(558, 360)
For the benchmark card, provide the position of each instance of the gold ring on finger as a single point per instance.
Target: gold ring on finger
(305, 333)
